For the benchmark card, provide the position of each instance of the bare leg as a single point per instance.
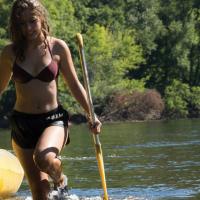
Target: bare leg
(38, 180)
(47, 151)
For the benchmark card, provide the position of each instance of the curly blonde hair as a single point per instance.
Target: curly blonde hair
(19, 41)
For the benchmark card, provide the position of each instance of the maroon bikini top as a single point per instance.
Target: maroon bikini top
(47, 74)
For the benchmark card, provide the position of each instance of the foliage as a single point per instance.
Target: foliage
(110, 56)
(142, 15)
(131, 45)
(194, 108)
(177, 97)
(61, 17)
(176, 56)
(66, 98)
(4, 19)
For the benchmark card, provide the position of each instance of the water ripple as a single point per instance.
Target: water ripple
(168, 144)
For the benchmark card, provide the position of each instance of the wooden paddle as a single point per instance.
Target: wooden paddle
(97, 143)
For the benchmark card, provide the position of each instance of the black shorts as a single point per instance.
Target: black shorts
(27, 128)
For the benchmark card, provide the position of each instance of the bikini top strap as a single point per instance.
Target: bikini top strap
(48, 46)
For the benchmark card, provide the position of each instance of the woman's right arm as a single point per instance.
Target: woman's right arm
(5, 67)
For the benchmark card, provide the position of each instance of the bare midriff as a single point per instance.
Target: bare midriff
(36, 97)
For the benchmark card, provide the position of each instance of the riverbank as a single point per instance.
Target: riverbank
(79, 119)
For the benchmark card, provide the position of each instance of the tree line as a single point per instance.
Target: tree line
(143, 55)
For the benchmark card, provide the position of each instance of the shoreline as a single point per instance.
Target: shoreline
(80, 119)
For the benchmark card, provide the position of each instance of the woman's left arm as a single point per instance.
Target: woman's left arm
(71, 78)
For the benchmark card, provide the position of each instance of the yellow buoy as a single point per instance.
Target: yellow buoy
(11, 173)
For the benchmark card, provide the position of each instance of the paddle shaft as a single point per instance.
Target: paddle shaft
(92, 115)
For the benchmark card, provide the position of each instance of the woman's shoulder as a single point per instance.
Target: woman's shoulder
(58, 44)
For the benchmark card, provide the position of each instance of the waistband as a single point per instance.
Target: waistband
(37, 115)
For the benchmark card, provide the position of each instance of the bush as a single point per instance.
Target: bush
(177, 97)
(135, 105)
(194, 105)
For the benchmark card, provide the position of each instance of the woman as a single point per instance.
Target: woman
(39, 123)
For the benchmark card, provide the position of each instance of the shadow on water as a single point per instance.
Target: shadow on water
(144, 160)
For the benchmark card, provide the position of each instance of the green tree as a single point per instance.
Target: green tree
(4, 21)
(176, 55)
(109, 14)
(177, 96)
(62, 20)
(110, 56)
(194, 106)
(142, 16)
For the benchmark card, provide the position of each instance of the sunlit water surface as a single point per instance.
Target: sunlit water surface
(143, 161)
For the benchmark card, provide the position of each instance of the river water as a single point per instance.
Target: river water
(157, 160)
